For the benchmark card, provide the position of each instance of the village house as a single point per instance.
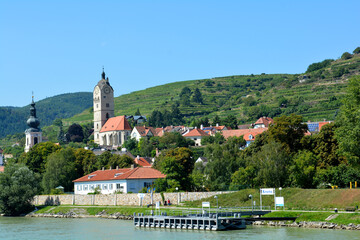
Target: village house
(196, 135)
(143, 161)
(142, 131)
(249, 135)
(125, 180)
(263, 122)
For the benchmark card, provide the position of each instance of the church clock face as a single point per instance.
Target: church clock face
(106, 90)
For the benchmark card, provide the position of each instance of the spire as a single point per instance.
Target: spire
(103, 74)
(33, 122)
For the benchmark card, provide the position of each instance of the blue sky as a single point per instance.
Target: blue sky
(55, 47)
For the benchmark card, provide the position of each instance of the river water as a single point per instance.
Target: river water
(95, 228)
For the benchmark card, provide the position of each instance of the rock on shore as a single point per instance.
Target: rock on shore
(304, 224)
(72, 214)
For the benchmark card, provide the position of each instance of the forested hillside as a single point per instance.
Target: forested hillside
(13, 119)
(315, 94)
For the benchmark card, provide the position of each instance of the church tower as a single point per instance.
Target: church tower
(103, 105)
(33, 134)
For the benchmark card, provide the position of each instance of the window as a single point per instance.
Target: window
(104, 96)
(98, 186)
(79, 187)
(110, 186)
(104, 187)
(92, 187)
(118, 186)
(85, 187)
(107, 105)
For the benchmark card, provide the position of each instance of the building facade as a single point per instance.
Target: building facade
(123, 180)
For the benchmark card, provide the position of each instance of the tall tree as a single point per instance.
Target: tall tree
(197, 96)
(288, 130)
(18, 186)
(348, 120)
(60, 170)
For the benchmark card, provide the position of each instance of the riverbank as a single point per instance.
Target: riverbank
(322, 220)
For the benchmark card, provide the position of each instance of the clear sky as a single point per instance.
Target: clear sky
(54, 47)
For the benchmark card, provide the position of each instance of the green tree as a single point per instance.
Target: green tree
(177, 164)
(216, 120)
(137, 113)
(123, 161)
(197, 96)
(60, 170)
(18, 186)
(288, 130)
(75, 133)
(348, 120)
(346, 55)
(303, 171)
(85, 161)
(357, 50)
(36, 158)
(231, 121)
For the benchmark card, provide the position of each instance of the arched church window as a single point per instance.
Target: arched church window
(35, 140)
(107, 115)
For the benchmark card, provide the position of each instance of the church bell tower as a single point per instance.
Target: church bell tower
(33, 134)
(103, 97)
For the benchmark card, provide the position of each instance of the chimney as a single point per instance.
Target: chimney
(201, 127)
(195, 127)
(117, 167)
(132, 166)
(110, 168)
(103, 168)
(217, 124)
(138, 157)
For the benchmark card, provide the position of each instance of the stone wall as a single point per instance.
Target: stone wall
(120, 199)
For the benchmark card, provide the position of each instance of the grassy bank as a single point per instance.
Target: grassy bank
(295, 199)
(94, 210)
(342, 218)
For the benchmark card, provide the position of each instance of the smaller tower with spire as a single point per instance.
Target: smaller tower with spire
(33, 134)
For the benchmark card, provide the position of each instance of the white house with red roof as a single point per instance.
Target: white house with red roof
(263, 122)
(249, 135)
(123, 180)
(142, 131)
(196, 135)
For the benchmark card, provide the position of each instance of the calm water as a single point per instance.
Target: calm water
(94, 228)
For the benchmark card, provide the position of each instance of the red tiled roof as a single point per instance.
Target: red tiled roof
(321, 124)
(142, 162)
(159, 132)
(196, 133)
(2, 168)
(122, 174)
(243, 132)
(116, 124)
(143, 131)
(264, 120)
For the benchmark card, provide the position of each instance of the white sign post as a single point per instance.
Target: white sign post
(267, 191)
(205, 204)
(279, 202)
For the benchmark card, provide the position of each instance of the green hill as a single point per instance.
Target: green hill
(315, 94)
(13, 119)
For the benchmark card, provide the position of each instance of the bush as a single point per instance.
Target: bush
(319, 65)
(346, 55)
(357, 50)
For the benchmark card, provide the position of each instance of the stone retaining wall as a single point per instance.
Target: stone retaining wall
(120, 199)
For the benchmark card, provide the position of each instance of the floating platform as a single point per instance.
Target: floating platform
(205, 221)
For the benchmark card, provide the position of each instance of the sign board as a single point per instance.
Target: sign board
(267, 191)
(205, 204)
(279, 201)
(141, 195)
(158, 205)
